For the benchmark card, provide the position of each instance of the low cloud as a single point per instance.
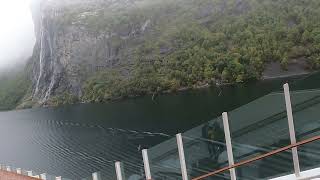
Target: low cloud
(16, 32)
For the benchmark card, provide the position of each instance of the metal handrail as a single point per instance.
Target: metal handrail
(259, 157)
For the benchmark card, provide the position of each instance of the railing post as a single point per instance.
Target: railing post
(182, 157)
(228, 144)
(43, 176)
(29, 173)
(291, 130)
(8, 168)
(19, 171)
(119, 171)
(146, 164)
(96, 176)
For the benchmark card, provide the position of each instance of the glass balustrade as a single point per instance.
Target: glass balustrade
(306, 116)
(205, 149)
(164, 161)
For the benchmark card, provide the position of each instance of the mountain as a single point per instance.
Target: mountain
(14, 85)
(101, 50)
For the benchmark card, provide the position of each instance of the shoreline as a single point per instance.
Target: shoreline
(155, 95)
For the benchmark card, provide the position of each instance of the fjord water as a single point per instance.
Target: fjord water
(74, 141)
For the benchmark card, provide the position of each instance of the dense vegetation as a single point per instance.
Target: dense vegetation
(188, 43)
(13, 88)
(193, 43)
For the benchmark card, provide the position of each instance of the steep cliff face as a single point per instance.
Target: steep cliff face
(70, 46)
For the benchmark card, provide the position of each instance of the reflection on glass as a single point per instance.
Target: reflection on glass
(309, 156)
(307, 82)
(164, 161)
(267, 168)
(108, 172)
(306, 113)
(273, 166)
(258, 128)
(87, 178)
(205, 149)
(306, 116)
(133, 171)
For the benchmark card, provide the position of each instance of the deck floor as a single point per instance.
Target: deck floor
(5, 175)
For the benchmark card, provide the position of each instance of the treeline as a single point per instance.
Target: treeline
(14, 86)
(192, 45)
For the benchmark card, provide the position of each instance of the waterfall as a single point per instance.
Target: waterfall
(46, 54)
(41, 57)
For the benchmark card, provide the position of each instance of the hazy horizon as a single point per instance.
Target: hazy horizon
(16, 33)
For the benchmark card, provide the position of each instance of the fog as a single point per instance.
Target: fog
(16, 32)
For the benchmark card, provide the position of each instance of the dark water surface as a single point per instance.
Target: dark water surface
(74, 141)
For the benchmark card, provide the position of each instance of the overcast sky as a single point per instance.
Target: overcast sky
(16, 31)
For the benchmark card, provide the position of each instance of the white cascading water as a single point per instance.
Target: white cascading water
(41, 57)
(43, 47)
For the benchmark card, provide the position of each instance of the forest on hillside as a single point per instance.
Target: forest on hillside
(213, 41)
(188, 44)
(13, 88)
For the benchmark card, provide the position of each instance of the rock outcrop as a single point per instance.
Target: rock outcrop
(71, 44)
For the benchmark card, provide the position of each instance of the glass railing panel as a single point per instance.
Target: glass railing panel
(87, 178)
(47, 176)
(61, 178)
(164, 161)
(310, 81)
(13, 169)
(205, 150)
(65, 178)
(7, 168)
(306, 116)
(98, 175)
(133, 171)
(24, 172)
(267, 168)
(17, 170)
(309, 156)
(259, 127)
(281, 164)
(109, 172)
(273, 166)
(36, 173)
(306, 113)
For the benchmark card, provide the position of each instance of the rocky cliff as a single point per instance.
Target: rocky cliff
(73, 42)
(94, 50)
